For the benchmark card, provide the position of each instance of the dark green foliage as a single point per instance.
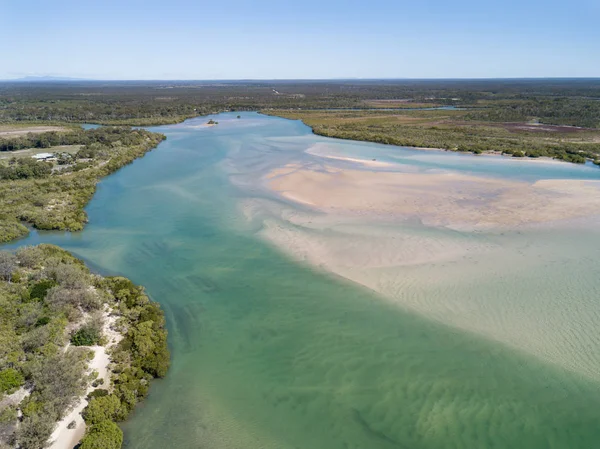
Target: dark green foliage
(40, 289)
(103, 408)
(103, 435)
(42, 321)
(25, 168)
(86, 336)
(97, 393)
(10, 380)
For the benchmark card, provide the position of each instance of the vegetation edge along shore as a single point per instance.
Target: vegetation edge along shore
(57, 319)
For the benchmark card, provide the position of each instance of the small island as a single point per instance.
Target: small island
(77, 351)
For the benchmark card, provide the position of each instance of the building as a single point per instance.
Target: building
(44, 157)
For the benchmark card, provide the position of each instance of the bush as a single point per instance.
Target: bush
(29, 256)
(40, 289)
(10, 380)
(104, 435)
(103, 408)
(86, 336)
(98, 393)
(8, 264)
(35, 431)
(42, 321)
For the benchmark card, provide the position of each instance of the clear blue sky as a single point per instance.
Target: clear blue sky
(267, 39)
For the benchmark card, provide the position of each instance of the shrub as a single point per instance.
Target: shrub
(10, 380)
(40, 289)
(29, 256)
(42, 321)
(98, 393)
(86, 336)
(104, 435)
(34, 431)
(103, 408)
(8, 263)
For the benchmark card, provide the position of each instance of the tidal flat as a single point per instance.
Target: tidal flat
(298, 322)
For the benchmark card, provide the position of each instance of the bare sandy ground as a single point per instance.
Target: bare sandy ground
(16, 131)
(438, 199)
(63, 437)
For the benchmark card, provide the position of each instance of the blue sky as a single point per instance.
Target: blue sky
(264, 39)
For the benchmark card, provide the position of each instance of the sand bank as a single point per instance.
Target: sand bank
(452, 247)
(438, 199)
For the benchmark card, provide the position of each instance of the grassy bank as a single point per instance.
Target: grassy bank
(55, 315)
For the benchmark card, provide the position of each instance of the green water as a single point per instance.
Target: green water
(268, 353)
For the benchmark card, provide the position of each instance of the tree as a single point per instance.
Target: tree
(10, 380)
(104, 435)
(34, 431)
(103, 408)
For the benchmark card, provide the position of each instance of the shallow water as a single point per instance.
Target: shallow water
(270, 353)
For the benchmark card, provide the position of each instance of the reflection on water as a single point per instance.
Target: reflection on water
(268, 353)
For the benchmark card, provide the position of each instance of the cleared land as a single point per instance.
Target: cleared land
(22, 130)
(70, 149)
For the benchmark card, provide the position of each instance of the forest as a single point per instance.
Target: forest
(54, 312)
(553, 101)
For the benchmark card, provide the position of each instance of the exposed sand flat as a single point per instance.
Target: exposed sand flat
(315, 151)
(440, 199)
(16, 131)
(435, 243)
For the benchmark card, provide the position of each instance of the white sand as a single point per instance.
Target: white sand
(63, 437)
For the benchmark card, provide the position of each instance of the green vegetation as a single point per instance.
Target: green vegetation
(552, 101)
(104, 435)
(52, 196)
(494, 115)
(44, 293)
(450, 130)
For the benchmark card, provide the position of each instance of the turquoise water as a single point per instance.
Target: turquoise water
(269, 353)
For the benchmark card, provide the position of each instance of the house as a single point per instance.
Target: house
(44, 157)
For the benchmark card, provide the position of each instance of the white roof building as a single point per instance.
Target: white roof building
(43, 156)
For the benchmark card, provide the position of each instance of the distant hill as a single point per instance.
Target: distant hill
(33, 79)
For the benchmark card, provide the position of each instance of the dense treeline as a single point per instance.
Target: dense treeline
(446, 130)
(53, 197)
(147, 103)
(47, 298)
(557, 111)
(106, 136)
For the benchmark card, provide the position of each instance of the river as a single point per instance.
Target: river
(269, 352)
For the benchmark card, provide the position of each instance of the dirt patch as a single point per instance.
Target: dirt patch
(16, 131)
